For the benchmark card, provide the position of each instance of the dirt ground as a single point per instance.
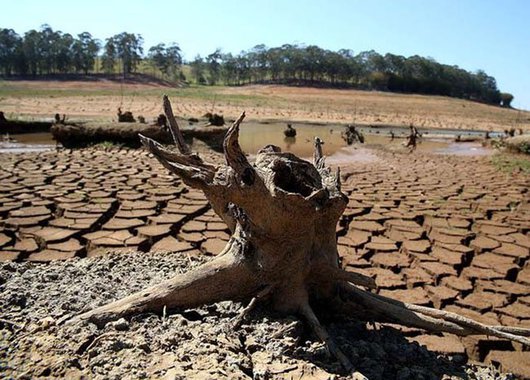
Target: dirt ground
(439, 230)
(79, 228)
(190, 344)
(100, 99)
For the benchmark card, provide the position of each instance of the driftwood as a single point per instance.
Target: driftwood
(282, 212)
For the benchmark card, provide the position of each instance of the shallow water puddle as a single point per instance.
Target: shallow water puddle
(27, 142)
(465, 149)
(24, 148)
(254, 136)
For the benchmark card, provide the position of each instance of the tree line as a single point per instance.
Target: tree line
(45, 51)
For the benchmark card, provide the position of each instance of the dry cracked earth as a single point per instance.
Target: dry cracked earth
(444, 231)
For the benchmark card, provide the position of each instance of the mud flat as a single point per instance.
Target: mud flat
(442, 230)
(76, 136)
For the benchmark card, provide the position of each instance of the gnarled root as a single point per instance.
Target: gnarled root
(384, 309)
(224, 278)
(251, 305)
(323, 335)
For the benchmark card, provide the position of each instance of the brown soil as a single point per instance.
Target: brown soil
(262, 103)
(186, 344)
(452, 232)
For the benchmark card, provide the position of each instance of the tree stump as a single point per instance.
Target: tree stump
(282, 212)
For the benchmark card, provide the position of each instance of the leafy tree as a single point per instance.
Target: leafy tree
(257, 61)
(127, 47)
(84, 50)
(63, 58)
(229, 72)
(198, 69)
(47, 51)
(48, 45)
(213, 64)
(110, 55)
(174, 55)
(10, 44)
(31, 51)
(157, 55)
(167, 60)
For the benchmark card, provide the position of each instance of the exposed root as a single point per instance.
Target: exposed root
(242, 315)
(341, 275)
(10, 323)
(224, 278)
(323, 335)
(282, 212)
(98, 339)
(431, 319)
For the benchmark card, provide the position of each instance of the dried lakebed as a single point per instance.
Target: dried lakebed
(447, 231)
(191, 344)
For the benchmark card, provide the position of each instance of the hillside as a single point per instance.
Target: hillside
(99, 99)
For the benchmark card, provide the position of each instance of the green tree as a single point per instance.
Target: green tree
(110, 56)
(157, 55)
(10, 44)
(213, 64)
(48, 46)
(127, 47)
(198, 69)
(62, 53)
(167, 60)
(31, 50)
(84, 50)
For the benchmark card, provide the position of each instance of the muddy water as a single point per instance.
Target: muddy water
(27, 142)
(254, 136)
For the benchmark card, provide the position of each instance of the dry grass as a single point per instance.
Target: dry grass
(99, 100)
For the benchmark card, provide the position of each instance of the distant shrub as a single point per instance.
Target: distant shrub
(215, 119)
(518, 144)
(506, 99)
(161, 120)
(125, 117)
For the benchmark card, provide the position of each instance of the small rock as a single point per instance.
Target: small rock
(120, 325)
(47, 322)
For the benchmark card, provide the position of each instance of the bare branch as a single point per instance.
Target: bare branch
(235, 158)
(338, 184)
(174, 128)
(194, 173)
(318, 158)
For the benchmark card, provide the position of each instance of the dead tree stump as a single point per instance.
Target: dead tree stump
(282, 212)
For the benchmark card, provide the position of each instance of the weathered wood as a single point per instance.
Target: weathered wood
(282, 212)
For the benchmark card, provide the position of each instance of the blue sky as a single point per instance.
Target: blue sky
(474, 34)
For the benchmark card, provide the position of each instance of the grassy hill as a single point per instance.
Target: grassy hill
(99, 97)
